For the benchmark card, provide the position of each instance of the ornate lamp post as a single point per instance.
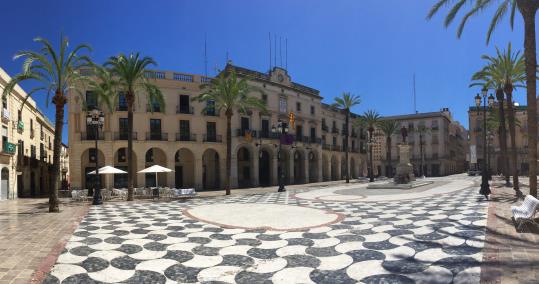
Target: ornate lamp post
(485, 188)
(97, 119)
(281, 129)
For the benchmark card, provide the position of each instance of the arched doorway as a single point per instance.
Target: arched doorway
(155, 156)
(244, 167)
(326, 173)
(334, 165)
(4, 185)
(343, 168)
(184, 168)
(88, 159)
(299, 167)
(264, 168)
(120, 162)
(210, 169)
(313, 166)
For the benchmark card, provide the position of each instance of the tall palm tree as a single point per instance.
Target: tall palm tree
(528, 10)
(129, 71)
(489, 80)
(230, 93)
(389, 127)
(507, 70)
(56, 71)
(346, 102)
(370, 118)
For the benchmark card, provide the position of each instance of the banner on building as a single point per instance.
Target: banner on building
(473, 154)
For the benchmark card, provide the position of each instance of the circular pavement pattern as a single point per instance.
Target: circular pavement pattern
(263, 216)
(435, 239)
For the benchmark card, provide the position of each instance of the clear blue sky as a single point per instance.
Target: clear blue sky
(366, 47)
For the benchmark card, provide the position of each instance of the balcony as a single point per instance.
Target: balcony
(245, 132)
(211, 112)
(5, 115)
(182, 77)
(324, 127)
(9, 148)
(184, 109)
(335, 130)
(213, 138)
(186, 137)
(153, 108)
(20, 126)
(156, 136)
(268, 135)
(326, 147)
(118, 136)
(90, 136)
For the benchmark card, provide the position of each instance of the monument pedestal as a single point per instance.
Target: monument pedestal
(405, 170)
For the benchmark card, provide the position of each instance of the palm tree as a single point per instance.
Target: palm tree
(56, 71)
(229, 93)
(129, 70)
(507, 70)
(528, 10)
(389, 127)
(346, 102)
(370, 119)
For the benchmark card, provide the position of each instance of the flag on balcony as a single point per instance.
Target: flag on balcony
(248, 136)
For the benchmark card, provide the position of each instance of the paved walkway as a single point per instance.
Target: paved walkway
(509, 256)
(31, 238)
(435, 239)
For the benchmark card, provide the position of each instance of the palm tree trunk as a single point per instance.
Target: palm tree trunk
(511, 117)
(228, 150)
(503, 136)
(528, 9)
(388, 145)
(371, 172)
(59, 101)
(130, 174)
(346, 147)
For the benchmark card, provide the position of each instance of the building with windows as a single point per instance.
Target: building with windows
(441, 147)
(27, 137)
(477, 133)
(191, 142)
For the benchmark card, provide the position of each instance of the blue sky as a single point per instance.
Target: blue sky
(367, 47)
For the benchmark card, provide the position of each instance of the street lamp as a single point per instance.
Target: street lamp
(281, 129)
(96, 118)
(370, 144)
(485, 188)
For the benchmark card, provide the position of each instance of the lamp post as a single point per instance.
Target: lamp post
(97, 119)
(370, 144)
(485, 188)
(281, 129)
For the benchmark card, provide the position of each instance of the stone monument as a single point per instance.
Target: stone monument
(405, 170)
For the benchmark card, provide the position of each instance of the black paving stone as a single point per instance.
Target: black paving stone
(182, 274)
(382, 245)
(207, 251)
(220, 237)
(199, 240)
(331, 277)
(248, 242)
(300, 242)
(93, 264)
(262, 253)
(146, 277)
(420, 246)
(315, 235)
(129, 248)
(362, 255)
(302, 261)
(114, 240)
(156, 237)
(265, 237)
(125, 262)
(237, 260)
(322, 252)
(156, 246)
(431, 236)
(245, 277)
(461, 250)
(457, 264)
(80, 278)
(82, 251)
(177, 234)
(179, 255)
(404, 266)
(387, 279)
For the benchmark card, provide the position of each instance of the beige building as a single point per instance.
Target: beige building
(182, 138)
(26, 154)
(475, 116)
(444, 143)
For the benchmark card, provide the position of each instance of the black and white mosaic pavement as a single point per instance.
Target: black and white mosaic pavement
(436, 239)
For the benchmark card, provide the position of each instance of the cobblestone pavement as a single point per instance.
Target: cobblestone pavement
(435, 239)
(31, 238)
(509, 256)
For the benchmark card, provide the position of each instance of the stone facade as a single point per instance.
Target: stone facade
(27, 137)
(445, 144)
(475, 116)
(192, 143)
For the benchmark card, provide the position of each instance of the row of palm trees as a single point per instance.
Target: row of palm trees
(528, 10)
(503, 73)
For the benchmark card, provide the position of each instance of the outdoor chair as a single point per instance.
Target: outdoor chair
(525, 213)
(106, 194)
